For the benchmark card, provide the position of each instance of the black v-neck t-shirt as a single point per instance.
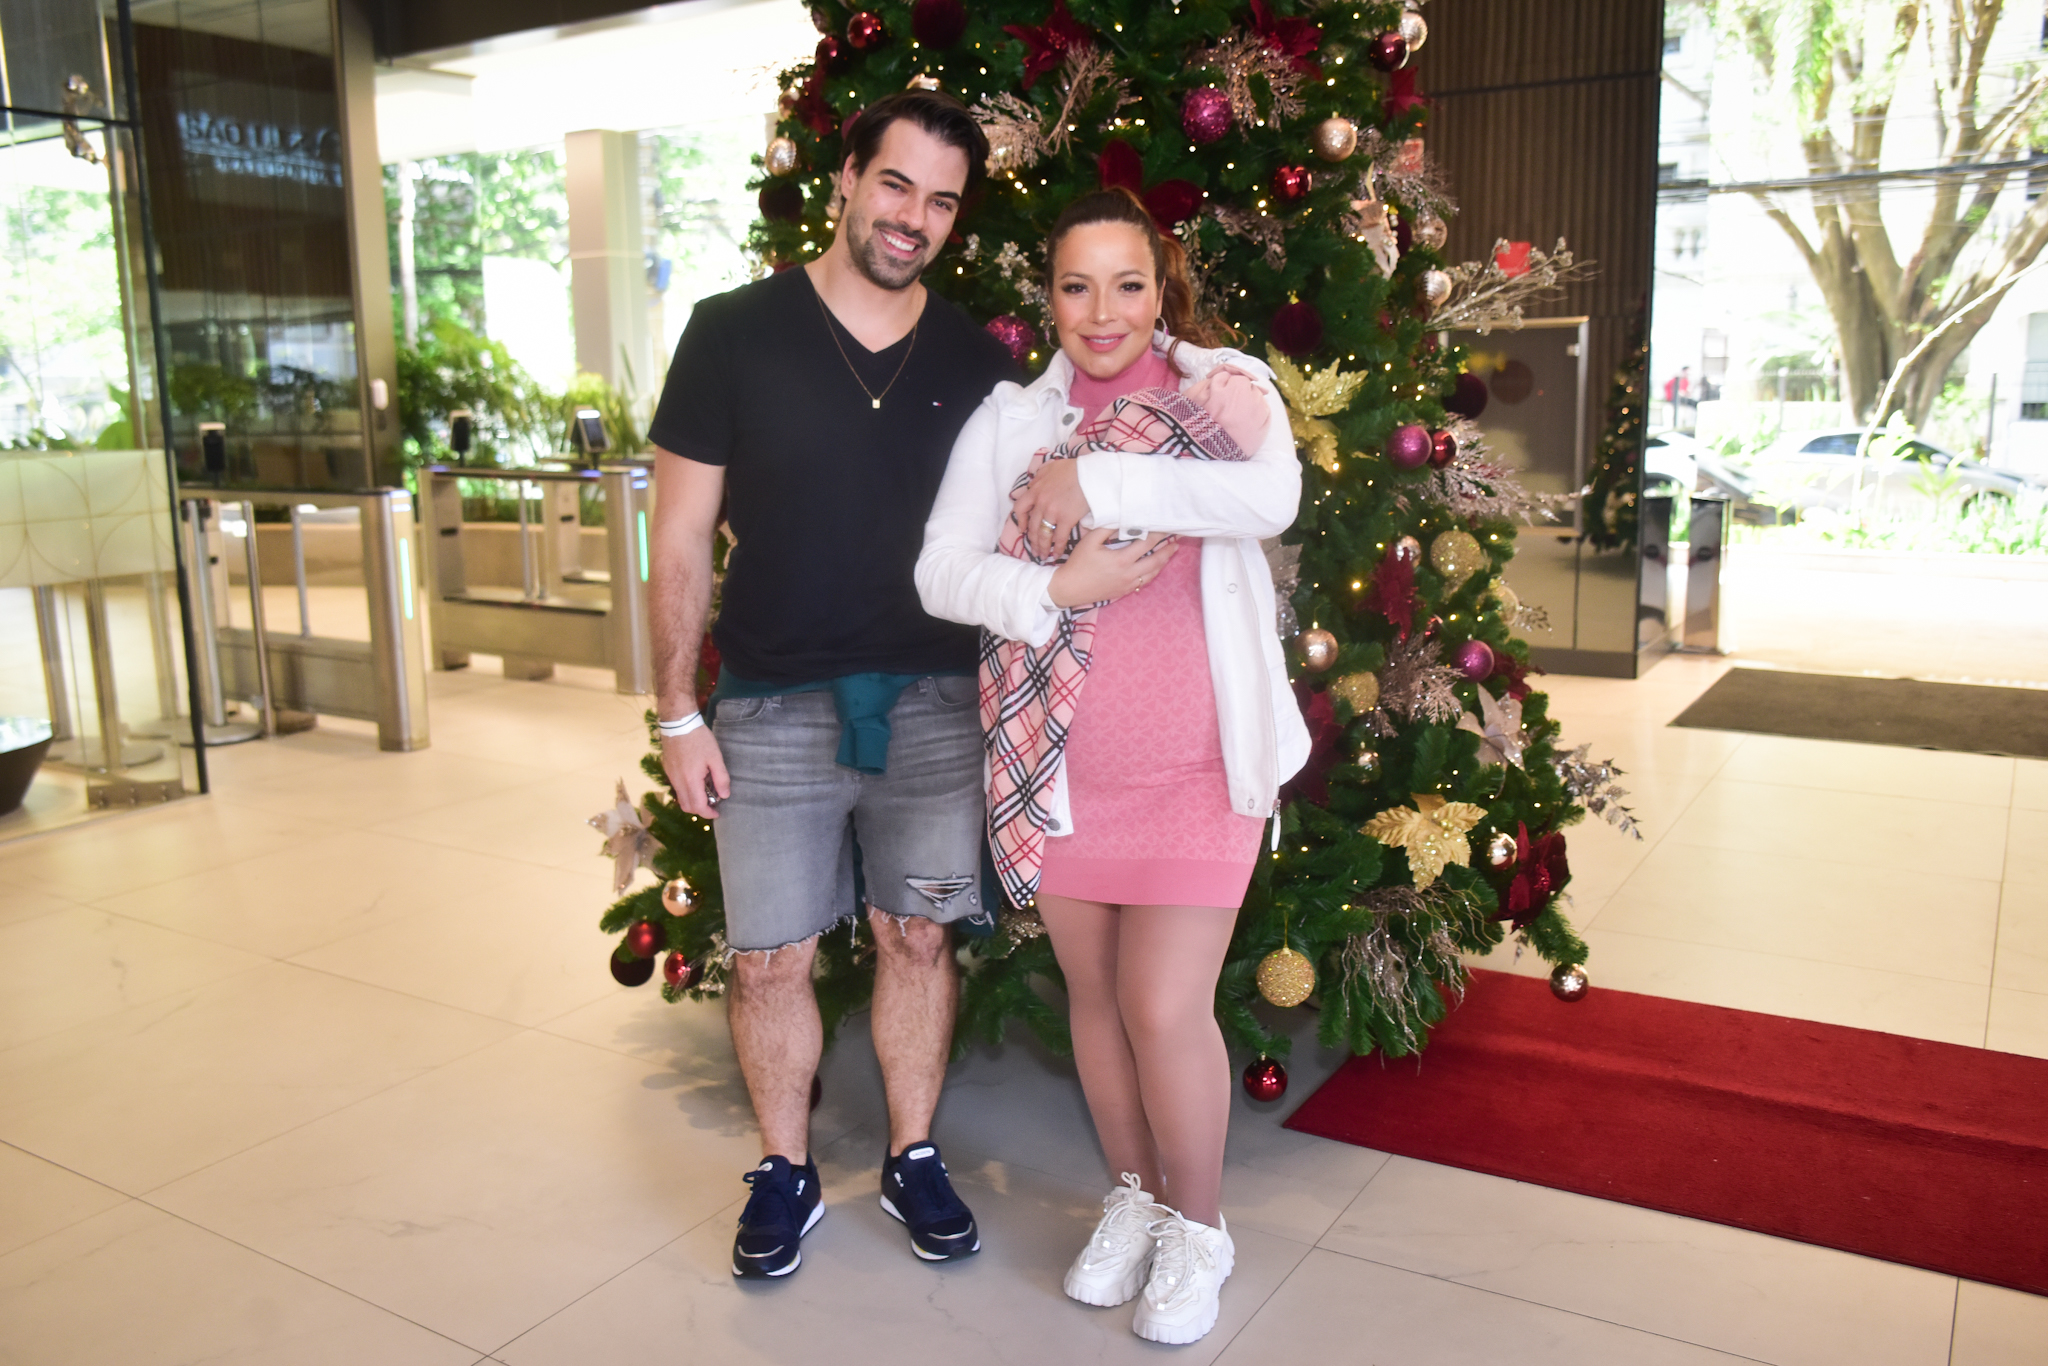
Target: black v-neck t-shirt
(827, 495)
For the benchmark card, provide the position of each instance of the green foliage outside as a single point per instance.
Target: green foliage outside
(1385, 951)
(60, 314)
(472, 205)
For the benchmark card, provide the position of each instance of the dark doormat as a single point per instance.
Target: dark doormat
(1876, 711)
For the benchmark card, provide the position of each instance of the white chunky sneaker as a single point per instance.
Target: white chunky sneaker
(1190, 1262)
(1113, 1265)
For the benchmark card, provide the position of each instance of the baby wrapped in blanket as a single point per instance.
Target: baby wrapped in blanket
(1029, 692)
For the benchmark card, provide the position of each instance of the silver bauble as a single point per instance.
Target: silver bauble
(781, 157)
(1570, 983)
(1500, 850)
(1408, 550)
(1429, 231)
(1433, 288)
(1318, 650)
(1414, 31)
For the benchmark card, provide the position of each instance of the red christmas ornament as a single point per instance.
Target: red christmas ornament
(1540, 871)
(1389, 51)
(1046, 47)
(1474, 660)
(1265, 1079)
(1170, 202)
(1297, 328)
(781, 201)
(1014, 333)
(1117, 164)
(680, 972)
(1291, 184)
(1443, 449)
(630, 972)
(830, 56)
(864, 31)
(1204, 114)
(644, 939)
(938, 23)
(1408, 448)
(1468, 398)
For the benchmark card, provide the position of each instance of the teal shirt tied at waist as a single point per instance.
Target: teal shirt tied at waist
(863, 702)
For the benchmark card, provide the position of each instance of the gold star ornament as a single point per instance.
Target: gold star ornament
(1432, 833)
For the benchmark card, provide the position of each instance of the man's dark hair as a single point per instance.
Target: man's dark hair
(937, 113)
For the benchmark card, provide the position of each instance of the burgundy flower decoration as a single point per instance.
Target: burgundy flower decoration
(812, 109)
(1392, 594)
(1514, 671)
(1047, 45)
(1325, 738)
(1295, 38)
(1170, 202)
(1540, 872)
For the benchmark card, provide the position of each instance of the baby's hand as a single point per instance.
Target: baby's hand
(1235, 400)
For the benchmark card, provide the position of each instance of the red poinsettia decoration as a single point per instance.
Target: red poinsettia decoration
(1294, 38)
(812, 109)
(1325, 738)
(1170, 202)
(1402, 95)
(1392, 594)
(1047, 45)
(1540, 872)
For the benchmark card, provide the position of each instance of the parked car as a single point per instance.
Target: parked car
(1819, 469)
(1674, 462)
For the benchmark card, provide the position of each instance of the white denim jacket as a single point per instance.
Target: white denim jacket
(1231, 505)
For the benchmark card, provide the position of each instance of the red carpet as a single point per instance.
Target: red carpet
(1924, 1153)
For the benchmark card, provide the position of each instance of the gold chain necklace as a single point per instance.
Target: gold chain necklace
(874, 399)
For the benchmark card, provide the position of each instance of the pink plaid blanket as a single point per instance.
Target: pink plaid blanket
(1029, 693)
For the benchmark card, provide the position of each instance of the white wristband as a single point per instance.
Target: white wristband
(671, 730)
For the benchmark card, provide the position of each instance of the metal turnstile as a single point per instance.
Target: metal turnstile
(383, 679)
(560, 612)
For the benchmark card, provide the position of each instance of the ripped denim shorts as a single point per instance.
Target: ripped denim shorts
(786, 834)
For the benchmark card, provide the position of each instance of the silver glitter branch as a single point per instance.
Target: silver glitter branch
(1416, 184)
(1483, 296)
(1409, 940)
(1260, 228)
(1242, 56)
(1417, 686)
(1475, 486)
(1591, 784)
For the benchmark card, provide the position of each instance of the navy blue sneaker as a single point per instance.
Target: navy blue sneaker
(916, 1190)
(785, 1204)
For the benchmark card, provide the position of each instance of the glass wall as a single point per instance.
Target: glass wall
(92, 644)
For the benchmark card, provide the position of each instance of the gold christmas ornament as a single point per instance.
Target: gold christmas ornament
(1336, 138)
(1500, 850)
(1369, 761)
(1457, 556)
(1433, 288)
(1432, 832)
(1569, 983)
(1318, 650)
(1510, 605)
(1285, 977)
(1361, 690)
(1414, 31)
(923, 81)
(675, 897)
(781, 157)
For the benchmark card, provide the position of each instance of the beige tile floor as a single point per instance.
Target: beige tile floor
(326, 1068)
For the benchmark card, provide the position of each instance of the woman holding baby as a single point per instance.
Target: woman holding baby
(1102, 525)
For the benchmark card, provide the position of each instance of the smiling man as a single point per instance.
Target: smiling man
(818, 406)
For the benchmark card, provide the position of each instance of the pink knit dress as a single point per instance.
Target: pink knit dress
(1144, 757)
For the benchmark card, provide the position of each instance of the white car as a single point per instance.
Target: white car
(1675, 463)
(1820, 469)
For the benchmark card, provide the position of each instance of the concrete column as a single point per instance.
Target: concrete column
(607, 263)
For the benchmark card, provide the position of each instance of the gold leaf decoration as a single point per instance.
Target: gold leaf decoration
(1312, 396)
(1432, 832)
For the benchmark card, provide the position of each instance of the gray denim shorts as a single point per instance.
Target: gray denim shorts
(786, 834)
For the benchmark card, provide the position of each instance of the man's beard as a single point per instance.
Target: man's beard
(880, 268)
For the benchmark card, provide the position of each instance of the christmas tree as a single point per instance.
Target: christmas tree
(1284, 146)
